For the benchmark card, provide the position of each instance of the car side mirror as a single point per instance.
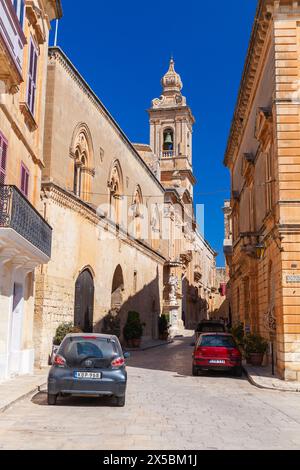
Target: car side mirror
(126, 355)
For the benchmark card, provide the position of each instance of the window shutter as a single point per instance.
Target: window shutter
(32, 73)
(3, 159)
(22, 7)
(24, 180)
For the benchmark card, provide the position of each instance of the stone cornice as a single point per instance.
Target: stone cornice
(180, 111)
(257, 41)
(68, 200)
(57, 55)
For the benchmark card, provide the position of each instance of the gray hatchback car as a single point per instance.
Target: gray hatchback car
(88, 365)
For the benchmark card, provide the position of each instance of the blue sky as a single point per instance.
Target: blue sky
(123, 48)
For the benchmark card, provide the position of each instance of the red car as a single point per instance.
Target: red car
(219, 352)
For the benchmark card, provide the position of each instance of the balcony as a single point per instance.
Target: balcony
(12, 41)
(24, 234)
(228, 247)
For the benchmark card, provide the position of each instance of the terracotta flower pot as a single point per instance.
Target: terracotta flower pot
(164, 336)
(136, 343)
(256, 359)
(130, 343)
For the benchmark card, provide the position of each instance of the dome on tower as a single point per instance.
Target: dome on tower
(171, 82)
(172, 86)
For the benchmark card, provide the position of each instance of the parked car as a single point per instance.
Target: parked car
(88, 365)
(209, 326)
(219, 352)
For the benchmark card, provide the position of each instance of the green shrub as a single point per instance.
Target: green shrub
(163, 324)
(238, 332)
(134, 328)
(111, 325)
(63, 330)
(254, 343)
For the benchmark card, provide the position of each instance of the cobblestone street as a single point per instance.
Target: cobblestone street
(166, 408)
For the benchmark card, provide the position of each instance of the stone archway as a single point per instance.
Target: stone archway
(117, 290)
(84, 301)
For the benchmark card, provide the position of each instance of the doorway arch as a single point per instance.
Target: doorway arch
(117, 289)
(84, 301)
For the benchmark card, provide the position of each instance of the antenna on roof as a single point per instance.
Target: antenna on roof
(56, 33)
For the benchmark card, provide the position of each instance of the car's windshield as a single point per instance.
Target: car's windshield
(76, 349)
(216, 341)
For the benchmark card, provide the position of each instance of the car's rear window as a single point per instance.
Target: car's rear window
(76, 349)
(217, 341)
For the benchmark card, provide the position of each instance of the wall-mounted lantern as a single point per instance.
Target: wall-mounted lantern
(260, 250)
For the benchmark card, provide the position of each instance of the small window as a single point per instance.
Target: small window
(3, 158)
(24, 180)
(32, 74)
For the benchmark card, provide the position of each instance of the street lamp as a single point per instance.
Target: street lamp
(260, 250)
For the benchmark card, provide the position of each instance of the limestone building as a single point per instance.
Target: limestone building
(124, 234)
(25, 236)
(263, 156)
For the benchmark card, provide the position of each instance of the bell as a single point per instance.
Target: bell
(168, 139)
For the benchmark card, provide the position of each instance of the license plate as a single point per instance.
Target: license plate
(217, 362)
(88, 375)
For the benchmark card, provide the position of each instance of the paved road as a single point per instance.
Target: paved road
(166, 408)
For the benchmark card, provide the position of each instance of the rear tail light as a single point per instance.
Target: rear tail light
(59, 361)
(199, 352)
(235, 354)
(119, 362)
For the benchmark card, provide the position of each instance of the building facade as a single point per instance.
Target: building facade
(25, 236)
(123, 237)
(263, 156)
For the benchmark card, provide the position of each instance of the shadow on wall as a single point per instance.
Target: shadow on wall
(222, 311)
(194, 307)
(146, 302)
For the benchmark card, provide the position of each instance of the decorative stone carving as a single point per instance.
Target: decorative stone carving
(173, 284)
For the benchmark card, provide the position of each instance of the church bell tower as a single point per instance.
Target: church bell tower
(171, 129)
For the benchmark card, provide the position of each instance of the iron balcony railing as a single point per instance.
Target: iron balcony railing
(17, 213)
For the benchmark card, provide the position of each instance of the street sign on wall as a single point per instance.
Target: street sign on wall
(292, 279)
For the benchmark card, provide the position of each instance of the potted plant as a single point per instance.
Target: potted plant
(112, 325)
(133, 330)
(163, 327)
(61, 332)
(255, 347)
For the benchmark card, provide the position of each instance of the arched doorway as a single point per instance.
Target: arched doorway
(117, 289)
(84, 302)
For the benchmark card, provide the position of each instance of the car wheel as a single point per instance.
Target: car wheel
(121, 401)
(52, 399)
(238, 372)
(195, 372)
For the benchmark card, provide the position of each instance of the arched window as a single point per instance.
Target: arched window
(168, 142)
(82, 153)
(115, 186)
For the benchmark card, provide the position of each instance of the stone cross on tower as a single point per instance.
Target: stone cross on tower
(171, 128)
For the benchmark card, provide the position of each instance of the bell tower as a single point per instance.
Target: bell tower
(171, 129)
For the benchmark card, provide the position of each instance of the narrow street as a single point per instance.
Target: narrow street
(166, 408)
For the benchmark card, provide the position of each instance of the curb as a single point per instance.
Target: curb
(264, 387)
(31, 392)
